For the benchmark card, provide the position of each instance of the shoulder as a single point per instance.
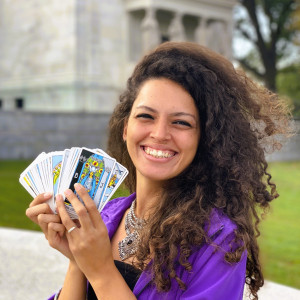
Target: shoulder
(212, 277)
(220, 224)
(221, 233)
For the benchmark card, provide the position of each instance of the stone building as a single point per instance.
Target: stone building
(75, 55)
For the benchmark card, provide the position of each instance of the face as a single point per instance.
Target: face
(163, 130)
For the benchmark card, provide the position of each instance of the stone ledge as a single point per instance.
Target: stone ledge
(30, 269)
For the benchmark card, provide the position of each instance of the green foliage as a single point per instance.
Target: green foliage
(288, 84)
(280, 234)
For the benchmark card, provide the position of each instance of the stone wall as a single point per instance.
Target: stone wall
(61, 56)
(26, 134)
(76, 55)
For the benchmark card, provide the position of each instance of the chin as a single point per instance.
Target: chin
(159, 176)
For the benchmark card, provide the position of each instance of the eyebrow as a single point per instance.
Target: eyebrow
(176, 114)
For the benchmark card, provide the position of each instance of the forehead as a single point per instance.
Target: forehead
(162, 93)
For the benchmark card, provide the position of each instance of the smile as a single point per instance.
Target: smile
(158, 153)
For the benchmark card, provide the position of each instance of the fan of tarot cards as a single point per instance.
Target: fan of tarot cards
(57, 171)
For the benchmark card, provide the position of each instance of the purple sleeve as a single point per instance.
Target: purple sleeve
(52, 297)
(214, 278)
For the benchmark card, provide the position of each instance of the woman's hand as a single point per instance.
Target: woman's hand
(40, 213)
(89, 244)
(39, 206)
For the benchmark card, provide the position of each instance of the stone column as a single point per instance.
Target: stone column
(150, 30)
(218, 38)
(176, 29)
(200, 32)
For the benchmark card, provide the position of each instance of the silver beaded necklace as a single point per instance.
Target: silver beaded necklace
(133, 224)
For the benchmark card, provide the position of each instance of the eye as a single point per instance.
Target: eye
(144, 116)
(183, 123)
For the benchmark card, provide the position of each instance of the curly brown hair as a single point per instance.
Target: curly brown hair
(238, 122)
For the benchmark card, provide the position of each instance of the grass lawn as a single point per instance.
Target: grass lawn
(280, 231)
(14, 199)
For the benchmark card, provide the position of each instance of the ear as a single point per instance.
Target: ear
(125, 130)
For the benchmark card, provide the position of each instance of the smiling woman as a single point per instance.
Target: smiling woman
(162, 131)
(192, 131)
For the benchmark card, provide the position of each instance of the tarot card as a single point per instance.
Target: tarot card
(63, 166)
(47, 163)
(117, 176)
(33, 178)
(93, 172)
(41, 168)
(68, 165)
(57, 171)
(50, 170)
(27, 184)
(26, 178)
(37, 174)
(56, 160)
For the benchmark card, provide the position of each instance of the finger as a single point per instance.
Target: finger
(45, 219)
(56, 228)
(64, 216)
(41, 198)
(80, 209)
(57, 239)
(33, 212)
(89, 204)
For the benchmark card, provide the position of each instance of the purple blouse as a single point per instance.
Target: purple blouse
(211, 278)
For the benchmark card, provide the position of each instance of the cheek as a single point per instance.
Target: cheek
(136, 131)
(134, 137)
(191, 143)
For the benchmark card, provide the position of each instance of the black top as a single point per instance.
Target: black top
(129, 273)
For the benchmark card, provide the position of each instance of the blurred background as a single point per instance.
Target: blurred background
(63, 65)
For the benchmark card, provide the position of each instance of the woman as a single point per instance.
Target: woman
(192, 132)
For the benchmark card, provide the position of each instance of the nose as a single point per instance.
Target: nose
(160, 130)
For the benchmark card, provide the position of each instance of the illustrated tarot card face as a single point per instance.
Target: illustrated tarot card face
(92, 172)
(118, 174)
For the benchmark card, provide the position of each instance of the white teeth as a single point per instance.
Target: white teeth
(157, 153)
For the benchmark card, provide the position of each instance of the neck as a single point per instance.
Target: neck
(147, 196)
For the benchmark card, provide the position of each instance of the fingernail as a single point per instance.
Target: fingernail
(78, 186)
(58, 197)
(68, 192)
(48, 195)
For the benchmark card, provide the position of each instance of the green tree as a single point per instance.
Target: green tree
(268, 25)
(296, 22)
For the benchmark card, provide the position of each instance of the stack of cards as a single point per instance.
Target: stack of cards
(57, 171)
